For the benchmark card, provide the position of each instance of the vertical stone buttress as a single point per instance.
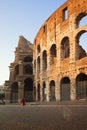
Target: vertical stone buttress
(57, 89)
(36, 92)
(20, 68)
(73, 89)
(20, 91)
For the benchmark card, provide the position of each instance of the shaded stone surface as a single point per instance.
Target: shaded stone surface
(43, 117)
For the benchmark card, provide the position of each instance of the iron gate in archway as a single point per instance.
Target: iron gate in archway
(65, 89)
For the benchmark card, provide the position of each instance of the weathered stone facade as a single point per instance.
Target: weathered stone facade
(59, 62)
(21, 73)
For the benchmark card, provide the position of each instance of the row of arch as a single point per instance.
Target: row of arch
(27, 68)
(65, 90)
(81, 20)
(27, 90)
(65, 52)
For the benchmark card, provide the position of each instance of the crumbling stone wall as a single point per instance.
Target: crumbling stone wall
(60, 63)
(21, 73)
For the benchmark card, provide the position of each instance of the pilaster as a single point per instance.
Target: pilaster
(73, 89)
(20, 91)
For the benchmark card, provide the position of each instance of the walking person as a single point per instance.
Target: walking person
(23, 101)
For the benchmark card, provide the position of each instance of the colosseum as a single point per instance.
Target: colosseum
(54, 68)
(59, 61)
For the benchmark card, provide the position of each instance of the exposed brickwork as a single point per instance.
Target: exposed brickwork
(64, 60)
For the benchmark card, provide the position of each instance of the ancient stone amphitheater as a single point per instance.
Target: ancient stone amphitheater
(59, 61)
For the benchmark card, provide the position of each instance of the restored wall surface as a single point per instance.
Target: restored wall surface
(59, 62)
(21, 73)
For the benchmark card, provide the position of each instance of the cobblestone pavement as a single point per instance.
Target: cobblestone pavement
(43, 117)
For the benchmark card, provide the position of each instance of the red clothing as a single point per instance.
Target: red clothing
(23, 101)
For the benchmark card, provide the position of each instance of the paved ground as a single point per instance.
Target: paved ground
(56, 116)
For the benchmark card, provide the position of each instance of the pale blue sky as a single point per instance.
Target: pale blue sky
(20, 17)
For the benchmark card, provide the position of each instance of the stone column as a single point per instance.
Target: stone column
(58, 50)
(41, 96)
(47, 91)
(73, 89)
(36, 92)
(57, 90)
(73, 49)
(20, 68)
(20, 91)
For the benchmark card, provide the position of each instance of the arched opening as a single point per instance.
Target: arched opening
(38, 92)
(16, 70)
(28, 89)
(81, 42)
(44, 91)
(38, 64)
(52, 90)
(38, 49)
(65, 89)
(81, 86)
(65, 48)
(28, 59)
(81, 20)
(44, 60)
(52, 53)
(14, 92)
(28, 69)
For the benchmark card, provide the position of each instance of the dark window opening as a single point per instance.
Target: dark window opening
(28, 59)
(44, 28)
(65, 13)
(44, 60)
(38, 49)
(65, 48)
(52, 53)
(28, 69)
(38, 64)
(16, 70)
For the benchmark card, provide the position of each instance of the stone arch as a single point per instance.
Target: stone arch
(81, 51)
(52, 90)
(79, 18)
(44, 91)
(38, 49)
(65, 89)
(38, 64)
(81, 86)
(28, 69)
(14, 92)
(65, 48)
(28, 59)
(53, 53)
(38, 92)
(28, 89)
(44, 60)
